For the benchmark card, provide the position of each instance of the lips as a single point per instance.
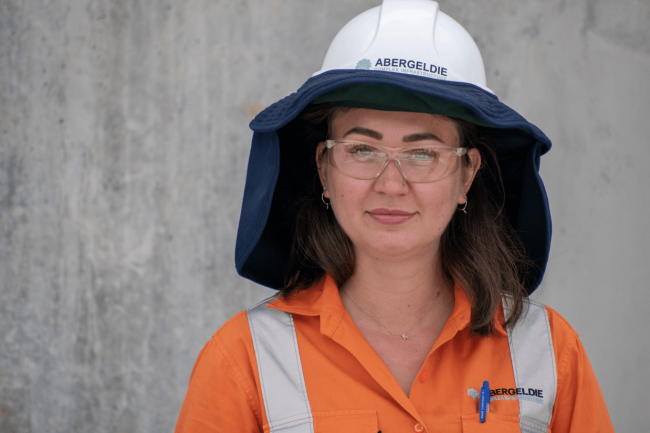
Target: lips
(390, 216)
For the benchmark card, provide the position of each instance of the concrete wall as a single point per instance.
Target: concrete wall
(123, 148)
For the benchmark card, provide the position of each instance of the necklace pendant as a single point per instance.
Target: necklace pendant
(404, 336)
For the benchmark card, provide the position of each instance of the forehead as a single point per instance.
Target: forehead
(392, 126)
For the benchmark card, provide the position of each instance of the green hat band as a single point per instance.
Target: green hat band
(386, 98)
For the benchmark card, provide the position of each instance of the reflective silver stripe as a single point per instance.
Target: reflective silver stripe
(533, 362)
(278, 362)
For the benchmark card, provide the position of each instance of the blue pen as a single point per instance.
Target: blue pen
(484, 401)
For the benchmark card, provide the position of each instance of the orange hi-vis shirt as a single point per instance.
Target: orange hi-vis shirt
(351, 389)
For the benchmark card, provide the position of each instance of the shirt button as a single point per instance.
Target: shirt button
(418, 427)
(423, 376)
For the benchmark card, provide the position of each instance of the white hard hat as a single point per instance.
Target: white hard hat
(409, 37)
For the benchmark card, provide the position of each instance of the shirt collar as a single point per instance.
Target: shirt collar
(462, 312)
(324, 300)
(321, 300)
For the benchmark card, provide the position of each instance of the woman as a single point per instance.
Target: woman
(396, 204)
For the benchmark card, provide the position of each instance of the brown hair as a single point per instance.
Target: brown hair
(479, 249)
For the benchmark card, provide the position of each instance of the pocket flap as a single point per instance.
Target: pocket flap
(344, 421)
(494, 423)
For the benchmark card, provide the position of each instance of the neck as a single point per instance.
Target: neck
(399, 292)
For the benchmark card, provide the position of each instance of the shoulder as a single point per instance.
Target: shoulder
(558, 322)
(579, 404)
(232, 345)
(569, 352)
(574, 372)
(235, 333)
(230, 352)
(558, 326)
(540, 323)
(565, 339)
(224, 377)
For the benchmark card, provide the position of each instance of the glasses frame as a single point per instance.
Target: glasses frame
(458, 151)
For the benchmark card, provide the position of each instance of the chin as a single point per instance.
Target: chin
(399, 245)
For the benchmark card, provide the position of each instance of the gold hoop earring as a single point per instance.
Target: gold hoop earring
(322, 197)
(463, 208)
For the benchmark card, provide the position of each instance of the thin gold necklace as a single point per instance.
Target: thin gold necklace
(403, 334)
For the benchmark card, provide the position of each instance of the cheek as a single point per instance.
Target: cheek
(348, 196)
(343, 190)
(346, 201)
(438, 204)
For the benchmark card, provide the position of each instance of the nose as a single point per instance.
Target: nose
(391, 179)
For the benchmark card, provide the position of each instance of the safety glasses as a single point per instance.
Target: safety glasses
(416, 163)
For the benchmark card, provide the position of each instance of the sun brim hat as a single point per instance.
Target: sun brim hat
(368, 65)
(281, 167)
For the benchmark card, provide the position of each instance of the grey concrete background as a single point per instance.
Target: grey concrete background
(123, 149)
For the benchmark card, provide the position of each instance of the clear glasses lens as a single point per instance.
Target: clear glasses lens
(418, 164)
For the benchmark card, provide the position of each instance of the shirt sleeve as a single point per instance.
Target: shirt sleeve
(579, 405)
(219, 397)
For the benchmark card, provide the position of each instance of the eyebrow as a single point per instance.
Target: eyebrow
(422, 136)
(365, 131)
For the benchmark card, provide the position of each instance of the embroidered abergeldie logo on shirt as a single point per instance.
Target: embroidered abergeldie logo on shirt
(528, 394)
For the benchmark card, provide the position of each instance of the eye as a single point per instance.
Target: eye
(362, 150)
(419, 155)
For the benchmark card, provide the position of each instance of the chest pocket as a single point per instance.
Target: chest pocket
(494, 423)
(340, 421)
(346, 421)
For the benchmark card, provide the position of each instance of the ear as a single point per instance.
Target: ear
(469, 172)
(321, 163)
